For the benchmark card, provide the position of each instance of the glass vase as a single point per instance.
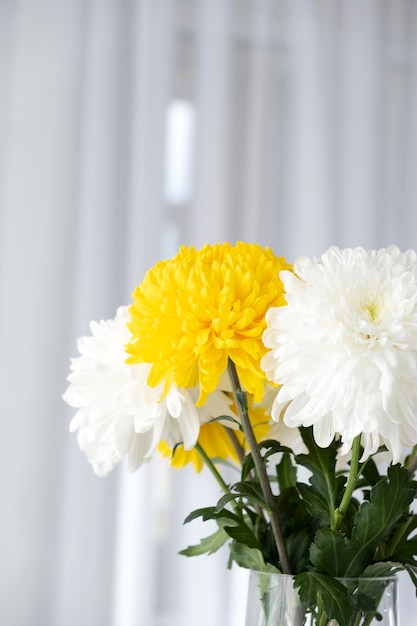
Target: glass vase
(273, 601)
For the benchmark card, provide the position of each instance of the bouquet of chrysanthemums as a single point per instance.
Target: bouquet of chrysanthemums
(228, 356)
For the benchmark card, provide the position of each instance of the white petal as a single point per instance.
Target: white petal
(344, 349)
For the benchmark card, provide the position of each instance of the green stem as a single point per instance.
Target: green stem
(367, 620)
(351, 483)
(213, 469)
(321, 615)
(241, 403)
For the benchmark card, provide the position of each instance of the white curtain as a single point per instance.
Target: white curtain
(292, 124)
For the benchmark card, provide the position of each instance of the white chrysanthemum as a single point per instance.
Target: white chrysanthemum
(345, 348)
(118, 413)
(278, 430)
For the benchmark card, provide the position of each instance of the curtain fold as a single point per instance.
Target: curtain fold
(150, 81)
(208, 220)
(403, 205)
(304, 134)
(259, 69)
(362, 121)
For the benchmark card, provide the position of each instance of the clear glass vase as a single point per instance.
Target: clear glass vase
(273, 601)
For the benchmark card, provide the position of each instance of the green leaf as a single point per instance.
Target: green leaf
(208, 545)
(205, 513)
(316, 503)
(224, 500)
(316, 588)
(272, 448)
(329, 552)
(389, 500)
(237, 528)
(247, 466)
(233, 525)
(366, 592)
(298, 545)
(250, 558)
(344, 600)
(286, 472)
(412, 572)
(370, 586)
(369, 474)
(241, 400)
(226, 418)
(406, 552)
(321, 462)
(243, 534)
(251, 491)
(400, 546)
(336, 555)
(381, 569)
(223, 517)
(293, 511)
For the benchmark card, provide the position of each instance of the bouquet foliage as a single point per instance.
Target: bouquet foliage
(298, 381)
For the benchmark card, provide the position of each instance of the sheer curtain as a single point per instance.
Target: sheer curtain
(292, 124)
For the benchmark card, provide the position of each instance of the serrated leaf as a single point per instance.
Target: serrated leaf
(321, 462)
(328, 552)
(205, 513)
(272, 448)
(333, 594)
(390, 498)
(333, 554)
(251, 491)
(316, 504)
(401, 546)
(233, 525)
(250, 558)
(293, 512)
(224, 500)
(222, 517)
(208, 545)
(366, 592)
(381, 569)
(372, 583)
(406, 551)
(286, 472)
(237, 528)
(243, 534)
(297, 547)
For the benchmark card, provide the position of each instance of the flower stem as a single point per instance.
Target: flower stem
(241, 403)
(213, 469)
(351, 483)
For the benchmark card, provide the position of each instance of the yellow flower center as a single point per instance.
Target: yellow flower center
(372, 309)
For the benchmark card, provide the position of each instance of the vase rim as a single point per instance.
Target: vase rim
(392, 576)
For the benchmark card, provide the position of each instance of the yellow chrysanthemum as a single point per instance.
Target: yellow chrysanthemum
(200, 308)
(213, 438)
(216, 440)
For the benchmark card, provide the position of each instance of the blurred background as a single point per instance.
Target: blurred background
(128, 128)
